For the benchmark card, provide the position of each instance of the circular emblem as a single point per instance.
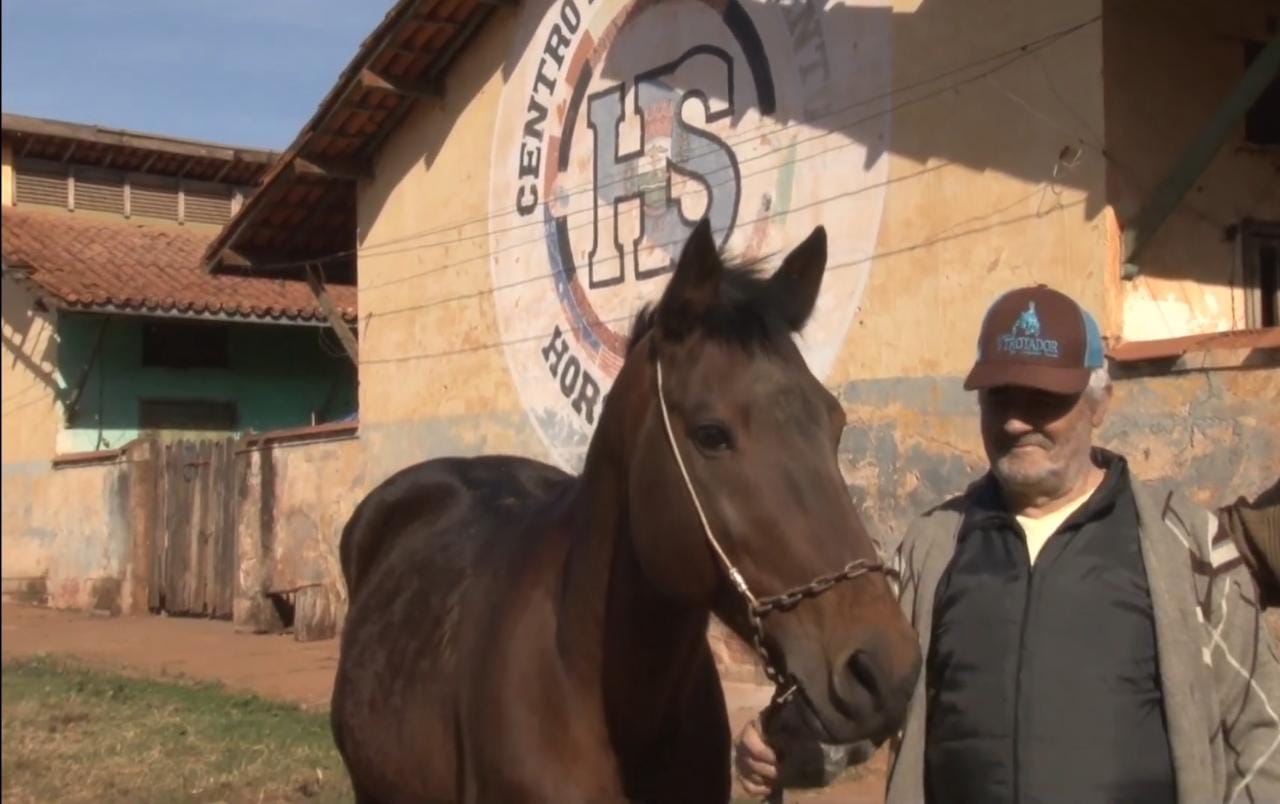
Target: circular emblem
(624, 122)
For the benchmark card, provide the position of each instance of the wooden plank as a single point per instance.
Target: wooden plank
(228, 574)
(426, 18)
(333, 168)
(37, 127)
(173, 547)
(315, 613)
(156, 550)
(176, 550)
(187, 530)
(205, 532)
(217, 522)
(1182, 176)
(344, 333)
(233, 259)
(409, 87)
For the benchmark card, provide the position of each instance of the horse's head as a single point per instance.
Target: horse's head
(757, 435)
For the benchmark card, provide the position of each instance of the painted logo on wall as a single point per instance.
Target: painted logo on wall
(623, 122)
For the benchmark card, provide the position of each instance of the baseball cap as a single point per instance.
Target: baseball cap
(1036, 337)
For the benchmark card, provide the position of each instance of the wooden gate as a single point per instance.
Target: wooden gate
(193, 552)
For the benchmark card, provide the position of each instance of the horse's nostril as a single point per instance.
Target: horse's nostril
(862, 667)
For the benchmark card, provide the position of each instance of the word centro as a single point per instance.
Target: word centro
(576, 384)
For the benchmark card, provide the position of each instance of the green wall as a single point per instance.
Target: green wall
(277, 375)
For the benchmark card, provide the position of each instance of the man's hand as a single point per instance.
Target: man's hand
(755, 761)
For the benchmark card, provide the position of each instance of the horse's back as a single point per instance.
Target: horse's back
(418, 554)
(427, 497)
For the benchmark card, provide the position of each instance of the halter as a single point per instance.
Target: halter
(785, 684)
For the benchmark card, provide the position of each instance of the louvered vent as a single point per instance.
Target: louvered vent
(46, 188)
(99, 191)
(206, 206)
(153, 201)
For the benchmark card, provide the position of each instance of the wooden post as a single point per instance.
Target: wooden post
(1198, 154)
(339, 326)
(6, 174)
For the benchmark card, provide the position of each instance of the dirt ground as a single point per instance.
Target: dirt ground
(277, 667)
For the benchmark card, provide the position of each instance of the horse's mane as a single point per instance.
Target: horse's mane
(745, 313)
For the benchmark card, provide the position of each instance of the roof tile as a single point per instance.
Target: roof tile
(94, 262)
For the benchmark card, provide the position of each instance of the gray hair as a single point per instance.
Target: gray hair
(1099, 382)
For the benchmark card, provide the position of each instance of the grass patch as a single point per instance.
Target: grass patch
(74, 734)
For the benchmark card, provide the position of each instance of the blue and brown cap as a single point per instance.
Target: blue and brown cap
(1036, 337)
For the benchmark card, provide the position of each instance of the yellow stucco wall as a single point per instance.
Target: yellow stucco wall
(1158, 99)
(65, 533)
(957, 149)
(6, 174)
(979, 201)
(30, 413)
(965, 157)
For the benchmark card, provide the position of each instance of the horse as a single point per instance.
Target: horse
(519, 634)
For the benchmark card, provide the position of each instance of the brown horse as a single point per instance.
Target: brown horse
(517, 634)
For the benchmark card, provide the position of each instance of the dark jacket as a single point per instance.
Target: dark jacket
(1042, 679)
(1218, 666)
(1219, 669)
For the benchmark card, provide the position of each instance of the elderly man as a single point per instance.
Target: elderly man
(1086, 638)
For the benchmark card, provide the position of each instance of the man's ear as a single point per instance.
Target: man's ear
(1101, 405)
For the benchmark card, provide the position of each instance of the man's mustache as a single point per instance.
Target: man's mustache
(1029, 440)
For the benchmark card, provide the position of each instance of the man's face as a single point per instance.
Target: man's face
(1038, 442)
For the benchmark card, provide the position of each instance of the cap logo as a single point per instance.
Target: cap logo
(1024, 339)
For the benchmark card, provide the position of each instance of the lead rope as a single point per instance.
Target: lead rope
(784, 685)
(780, 681)
(738, 581)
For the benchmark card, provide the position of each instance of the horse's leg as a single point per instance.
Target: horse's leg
(699, 770)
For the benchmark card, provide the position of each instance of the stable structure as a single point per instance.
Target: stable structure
(115, 335)
(506, 182)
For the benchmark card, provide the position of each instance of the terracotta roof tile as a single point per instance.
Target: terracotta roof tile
(94, 262)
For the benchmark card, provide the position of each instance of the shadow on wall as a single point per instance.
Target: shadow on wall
(30, 347)
(958, 58)
(999, 87)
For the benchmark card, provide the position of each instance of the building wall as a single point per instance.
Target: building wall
(1158, 98)
(75, 535)
(277, 375)
(66, 536)
(29, 410)
(980, 173)
(293, 501)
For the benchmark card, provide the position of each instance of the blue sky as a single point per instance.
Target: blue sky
(243, 72)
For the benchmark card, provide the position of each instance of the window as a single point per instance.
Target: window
(82, 187)
(187, 414)
(1262, 121)
(45, 185)
(1260, 257)
(185, 345)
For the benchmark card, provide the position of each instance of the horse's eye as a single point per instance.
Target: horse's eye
(713, 437)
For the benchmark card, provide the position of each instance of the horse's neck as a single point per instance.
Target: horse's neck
(617, 631)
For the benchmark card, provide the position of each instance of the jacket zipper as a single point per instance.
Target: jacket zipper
(1017, 678)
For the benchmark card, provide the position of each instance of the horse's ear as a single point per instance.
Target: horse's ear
(693, 286)
(796, 283)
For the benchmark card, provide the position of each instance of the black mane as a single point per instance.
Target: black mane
(745, 313)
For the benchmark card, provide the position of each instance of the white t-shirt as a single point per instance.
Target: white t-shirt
(1039, 529)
